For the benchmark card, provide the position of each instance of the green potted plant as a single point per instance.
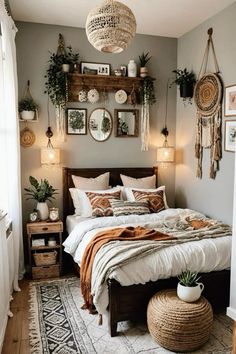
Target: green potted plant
(189, 289)
(41, 192)
(144, 59)
(27, 108)
(185, 80)
(56, 78)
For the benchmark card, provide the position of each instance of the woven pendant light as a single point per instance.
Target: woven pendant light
(110, 27)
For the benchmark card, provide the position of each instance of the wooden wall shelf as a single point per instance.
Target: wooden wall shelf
(101, 82)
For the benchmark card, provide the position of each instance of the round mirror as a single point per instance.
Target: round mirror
(100, 124)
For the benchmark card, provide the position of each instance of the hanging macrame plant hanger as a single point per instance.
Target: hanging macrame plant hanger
(28, 95)
(208, 99)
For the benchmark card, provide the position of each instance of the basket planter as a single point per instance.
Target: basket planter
(46, 258)
(186, 89)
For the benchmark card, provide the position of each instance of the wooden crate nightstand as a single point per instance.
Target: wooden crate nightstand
(44, 230)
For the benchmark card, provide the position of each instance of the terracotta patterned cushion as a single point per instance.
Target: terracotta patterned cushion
(155, 199)
(100, 203)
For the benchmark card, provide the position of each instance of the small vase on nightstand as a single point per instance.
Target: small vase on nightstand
(43, 210)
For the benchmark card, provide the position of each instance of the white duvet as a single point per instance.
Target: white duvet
(203, 256)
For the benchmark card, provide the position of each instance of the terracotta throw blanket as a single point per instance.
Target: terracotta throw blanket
(101, 238)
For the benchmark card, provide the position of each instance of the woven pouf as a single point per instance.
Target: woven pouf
(177, 325)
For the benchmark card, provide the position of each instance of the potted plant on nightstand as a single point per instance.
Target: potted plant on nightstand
(27, 108)
(185, 80)
(41, 192)
(144, 59)
(188, 288)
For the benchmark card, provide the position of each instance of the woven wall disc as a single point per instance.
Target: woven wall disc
(208, 94)
(27, 137)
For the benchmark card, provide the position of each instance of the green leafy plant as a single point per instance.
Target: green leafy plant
(147, 92)
(106, 124)
(27, 104)
(183, 76)
(188, 278)
(40, 191)
(76, 121)
(56, 78)
(144, 59)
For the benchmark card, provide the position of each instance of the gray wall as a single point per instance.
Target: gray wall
(34, 41)
(213, 197)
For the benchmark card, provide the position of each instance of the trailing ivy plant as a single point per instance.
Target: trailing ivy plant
(56, 78)
(76, 120)
(147, 92)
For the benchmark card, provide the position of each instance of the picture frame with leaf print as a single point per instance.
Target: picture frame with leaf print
(76, 121)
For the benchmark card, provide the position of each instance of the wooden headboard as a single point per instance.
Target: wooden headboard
(137, 172)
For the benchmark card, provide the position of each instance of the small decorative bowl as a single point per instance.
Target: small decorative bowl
(117, 72)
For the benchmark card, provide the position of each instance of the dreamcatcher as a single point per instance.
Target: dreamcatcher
(208, 98)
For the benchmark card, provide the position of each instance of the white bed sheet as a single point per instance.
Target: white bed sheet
(73, 220)
(203, 256)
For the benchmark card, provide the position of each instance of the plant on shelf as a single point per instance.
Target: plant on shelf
(41, 192)
(144, 59)
(27, 108)
(76, 121)
(189, 289)
(185, 80)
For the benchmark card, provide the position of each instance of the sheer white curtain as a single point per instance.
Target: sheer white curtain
(10, 178)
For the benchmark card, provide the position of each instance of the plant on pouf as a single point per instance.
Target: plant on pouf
(41, 192)
(189, 289)
(144, 59)
(27, 108)
(185, 80)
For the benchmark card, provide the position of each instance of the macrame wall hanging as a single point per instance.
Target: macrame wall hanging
(208, 99)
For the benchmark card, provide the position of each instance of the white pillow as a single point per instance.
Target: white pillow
(99, 183)
(81, 201)
(130, 196)
(145, 182)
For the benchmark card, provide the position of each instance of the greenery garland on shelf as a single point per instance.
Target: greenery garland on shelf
(147, 92)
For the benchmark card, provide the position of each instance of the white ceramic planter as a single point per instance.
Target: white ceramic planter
(143, 71)
(27, 115)
(43, 211)
(66, 68)
(189, 294)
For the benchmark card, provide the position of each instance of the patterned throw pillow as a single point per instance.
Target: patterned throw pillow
(155, 199)
(100, 203)
(121, 207)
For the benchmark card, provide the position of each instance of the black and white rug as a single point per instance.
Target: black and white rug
(59, 326)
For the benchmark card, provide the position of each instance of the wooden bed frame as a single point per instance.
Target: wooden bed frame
(130, 302)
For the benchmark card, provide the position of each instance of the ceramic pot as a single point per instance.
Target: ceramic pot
(143, 71)
(186, 89)
(43, 211)
(132, 69)
(190, 293)
(27, 115)
(65, 68)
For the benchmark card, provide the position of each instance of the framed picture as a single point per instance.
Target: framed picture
(76, 121)
(230, 100)
(126, 123)
(230, 135)
(95, 68)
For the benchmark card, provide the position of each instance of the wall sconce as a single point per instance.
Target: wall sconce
(165, 153)
(49, 154)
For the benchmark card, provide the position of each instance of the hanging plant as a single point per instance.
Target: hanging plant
(56, 78)
(185, 80)
(147, 93)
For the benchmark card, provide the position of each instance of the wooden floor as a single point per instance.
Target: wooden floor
(17, 333)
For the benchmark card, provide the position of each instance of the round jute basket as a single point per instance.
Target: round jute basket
(177, 325)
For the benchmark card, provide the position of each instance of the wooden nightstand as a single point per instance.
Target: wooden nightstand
(43, 230)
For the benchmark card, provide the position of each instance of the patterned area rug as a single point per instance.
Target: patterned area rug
(59, 326)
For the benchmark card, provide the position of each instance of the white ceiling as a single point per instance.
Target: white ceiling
(170, 18)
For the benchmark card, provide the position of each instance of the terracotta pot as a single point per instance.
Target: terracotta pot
(143, 71)
(27, 115)
(43, 211)
(190, 293)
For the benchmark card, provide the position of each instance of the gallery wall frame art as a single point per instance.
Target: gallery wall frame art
(230, 100)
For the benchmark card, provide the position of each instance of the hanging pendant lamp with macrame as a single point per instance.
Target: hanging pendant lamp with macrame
(110, 27)
(208, 99)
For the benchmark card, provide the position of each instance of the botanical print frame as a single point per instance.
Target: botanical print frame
(76, 121)
(96, 68)
(230, 100)
(230, 135)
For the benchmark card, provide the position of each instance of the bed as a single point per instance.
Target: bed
(121, 298)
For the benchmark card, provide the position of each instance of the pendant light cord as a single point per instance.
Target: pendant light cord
(165, 131)
(49, 132)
